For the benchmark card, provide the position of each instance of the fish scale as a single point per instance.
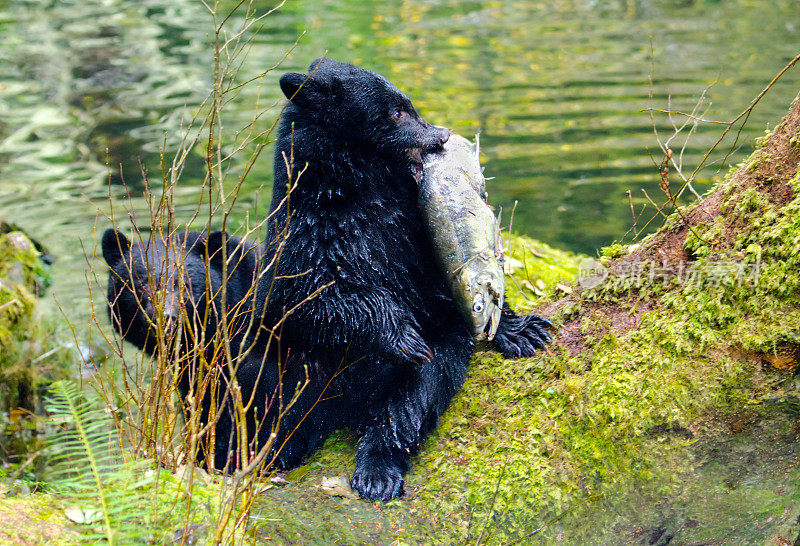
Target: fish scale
(464, 232)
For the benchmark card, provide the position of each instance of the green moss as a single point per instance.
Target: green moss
(613, 251)
(561, 427)
(34, 519)
(760, 141)
(559, 433)
(537, 269)
(529, 441)
(21, 264)
(29, 356)
(760, 156)
(19, 321)
(566, 312)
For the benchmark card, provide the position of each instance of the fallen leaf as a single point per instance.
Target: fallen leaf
(567, 289)
(527, 284)
(510, 264)
(535, 252)
(297, 475)
(261, 487)
(338, 486)
(15, 415)
(83, 515)
(278, 480)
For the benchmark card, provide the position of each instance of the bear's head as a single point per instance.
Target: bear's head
(362, 109)
(153, 282)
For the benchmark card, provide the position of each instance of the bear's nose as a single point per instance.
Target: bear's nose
(444, 136)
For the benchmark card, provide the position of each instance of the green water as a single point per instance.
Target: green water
(556, 89)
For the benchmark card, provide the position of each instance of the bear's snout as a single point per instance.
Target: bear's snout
(444, 135)
(434, 138)
(168, 303)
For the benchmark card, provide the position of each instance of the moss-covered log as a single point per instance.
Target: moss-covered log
(675, 354)
(29, 356)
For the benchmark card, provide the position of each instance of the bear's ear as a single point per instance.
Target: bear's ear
(301, 89)
(114, 244)
(314, 64)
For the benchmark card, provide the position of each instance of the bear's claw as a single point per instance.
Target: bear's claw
(412, 348)
(378, 483)
(519, 337)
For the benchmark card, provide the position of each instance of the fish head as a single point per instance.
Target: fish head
(485, 296)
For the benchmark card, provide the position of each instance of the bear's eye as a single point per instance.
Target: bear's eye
(397, 113)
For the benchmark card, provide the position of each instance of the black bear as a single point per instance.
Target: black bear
(382, 347)
(166, 279)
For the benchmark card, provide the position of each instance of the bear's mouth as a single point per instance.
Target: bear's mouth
(415, 156)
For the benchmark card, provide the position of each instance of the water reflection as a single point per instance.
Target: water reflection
(91, 90)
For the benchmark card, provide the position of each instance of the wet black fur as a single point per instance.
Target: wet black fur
(384, 347)
(136, 269)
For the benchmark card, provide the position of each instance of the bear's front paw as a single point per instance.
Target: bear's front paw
(410, 347)
(377, 482)
(519, 337)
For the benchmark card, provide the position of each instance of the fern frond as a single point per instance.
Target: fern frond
(80, 442)
(88, 464)
(136, 499)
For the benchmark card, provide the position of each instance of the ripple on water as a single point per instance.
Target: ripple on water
(555, 88)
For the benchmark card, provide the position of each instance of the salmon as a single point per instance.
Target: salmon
(464, 231)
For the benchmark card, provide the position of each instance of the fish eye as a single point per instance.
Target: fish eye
(477, 307)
